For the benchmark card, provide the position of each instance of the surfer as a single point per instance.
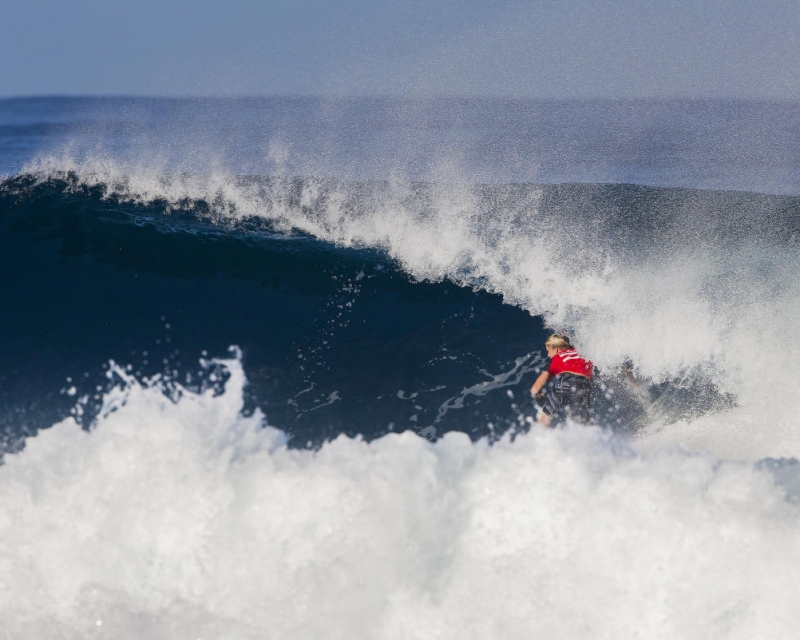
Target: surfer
(572, 387)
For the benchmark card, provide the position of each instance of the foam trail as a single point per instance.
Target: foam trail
(182, 518)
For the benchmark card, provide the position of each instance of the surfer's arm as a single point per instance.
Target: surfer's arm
(544, 376)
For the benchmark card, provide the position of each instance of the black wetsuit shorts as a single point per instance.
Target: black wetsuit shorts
(571, 394)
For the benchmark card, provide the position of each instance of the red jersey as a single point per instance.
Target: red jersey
(568, 361)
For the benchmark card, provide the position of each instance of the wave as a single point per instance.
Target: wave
(360, 283)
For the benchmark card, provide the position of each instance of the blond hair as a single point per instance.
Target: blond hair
(558, 342)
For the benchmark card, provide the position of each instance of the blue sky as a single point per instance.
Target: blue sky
(544, 48)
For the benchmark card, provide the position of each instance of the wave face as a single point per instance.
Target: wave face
(264, 368)
(335, 340)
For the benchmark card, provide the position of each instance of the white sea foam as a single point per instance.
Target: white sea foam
(184, 519)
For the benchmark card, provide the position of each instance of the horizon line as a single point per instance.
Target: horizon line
(399, 97)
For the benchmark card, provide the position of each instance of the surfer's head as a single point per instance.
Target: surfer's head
(558, 342)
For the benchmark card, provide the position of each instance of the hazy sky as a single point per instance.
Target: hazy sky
(541, 48)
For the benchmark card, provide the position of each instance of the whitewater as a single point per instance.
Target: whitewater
(186, 503)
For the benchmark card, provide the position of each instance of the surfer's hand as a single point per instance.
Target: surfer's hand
(540, 397)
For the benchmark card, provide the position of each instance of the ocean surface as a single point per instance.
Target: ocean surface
(264, 368)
